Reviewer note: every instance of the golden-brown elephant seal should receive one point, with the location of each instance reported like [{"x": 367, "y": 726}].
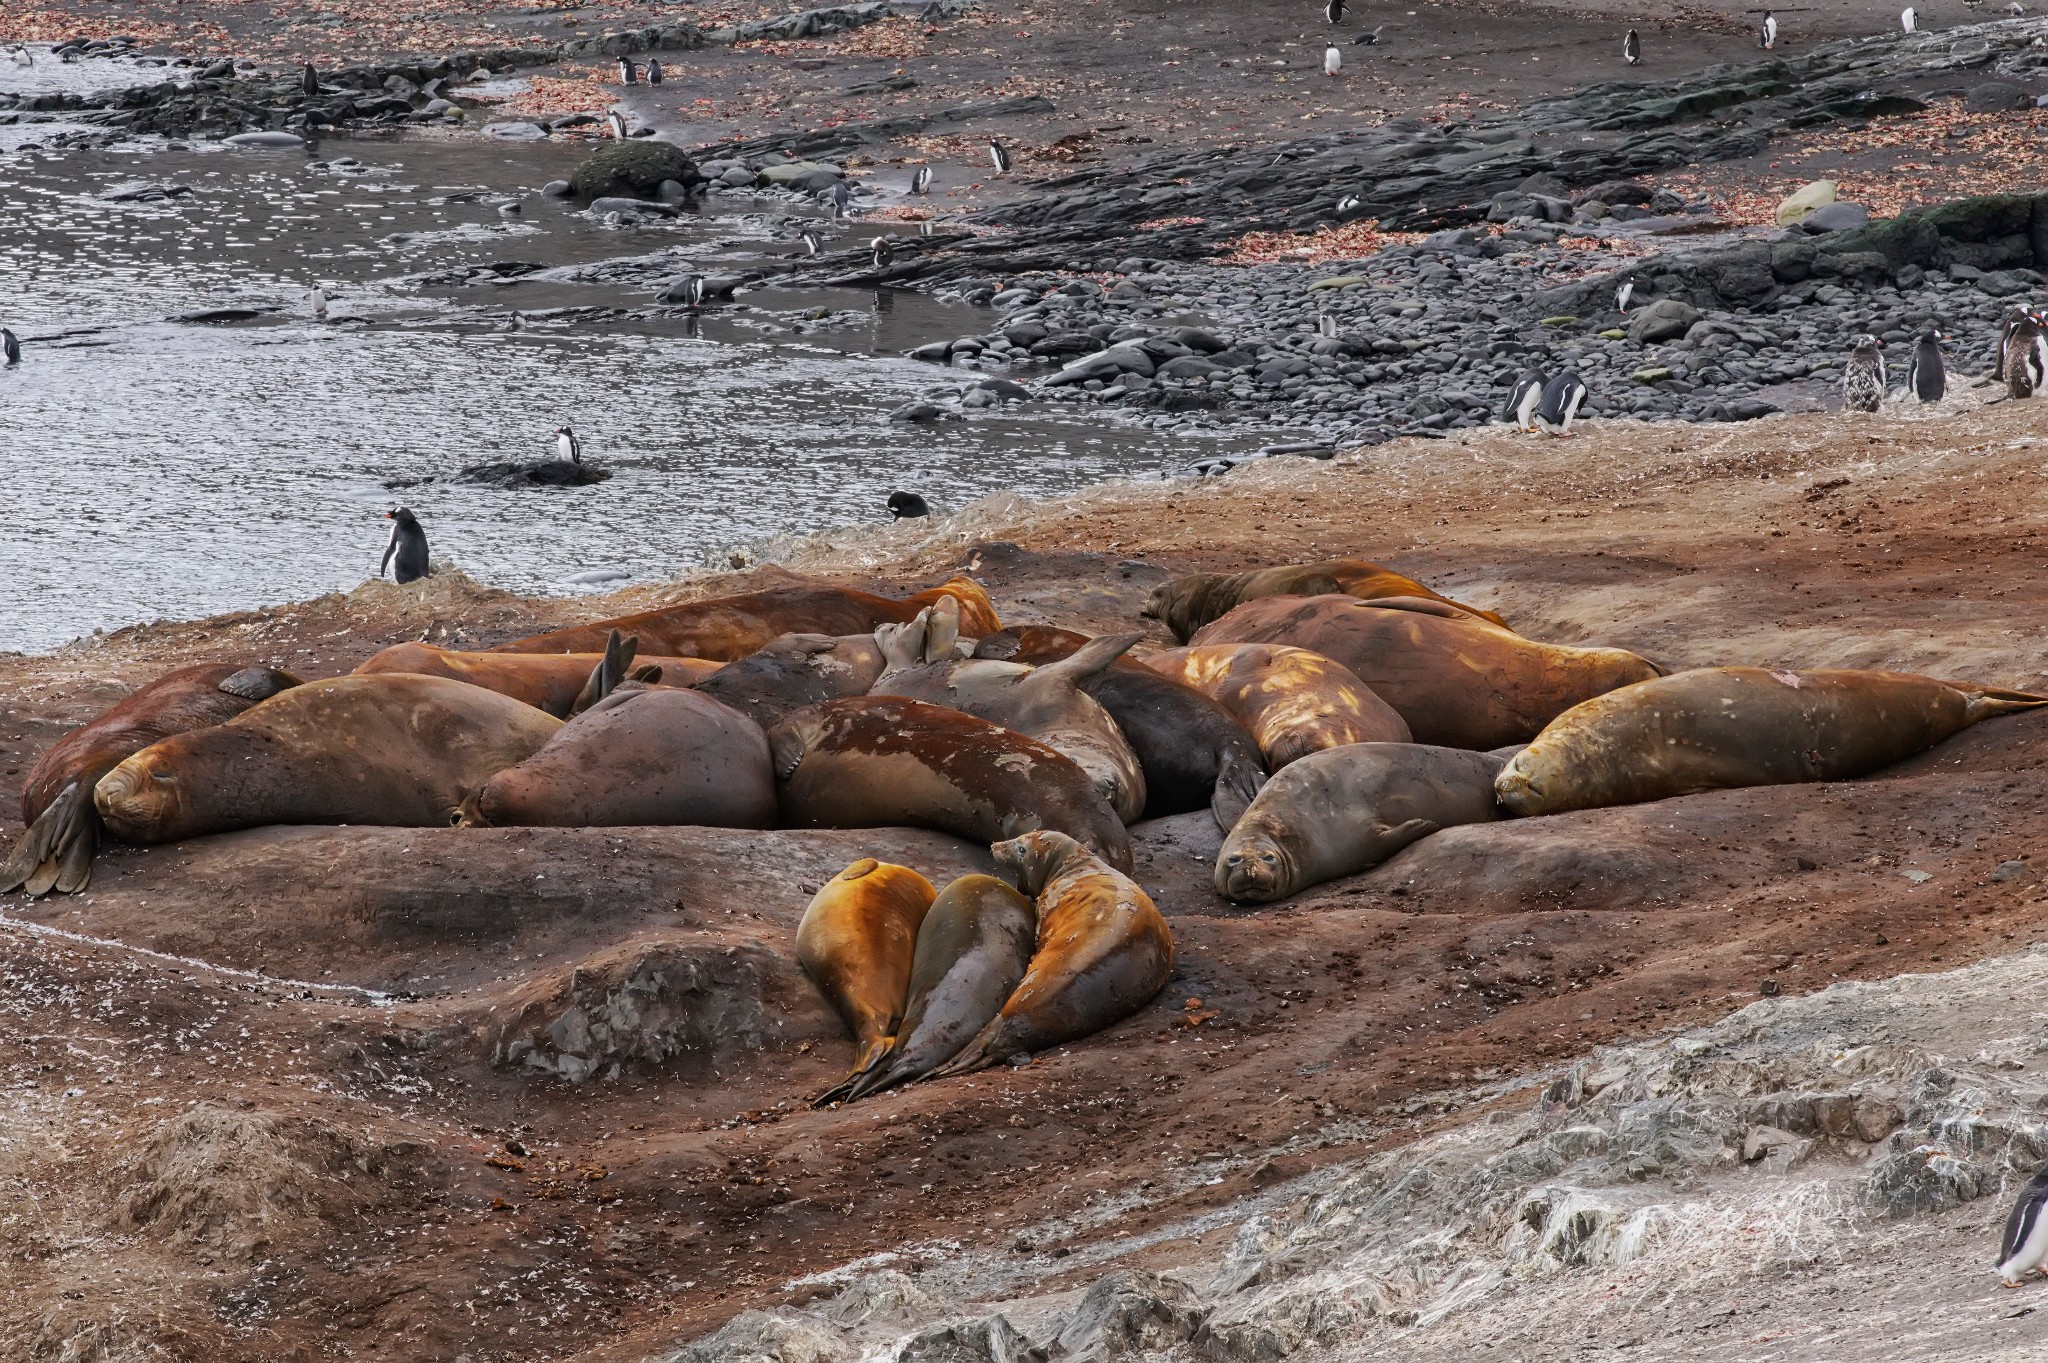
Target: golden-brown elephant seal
[
  {"x": 856, "y": 942},
  {"x": 56, "y": 798},
  {"x": 1458, "y": 681},
  {"x": 875, "y": 761},
  {"x": 392, "y": 750},
  {"x": 976, "y": 943},
  {"x": 1722, "y": 727},
  {"x": 1045, "y": 703},
  {"x": 1184, "y": 604},
  {"x": 641, "y": 756},
  {"x": 1345, "y": 810},
  {"x": 546, "y": 681},
  {"x": 1103, "y": 952},
  {"x": 730, "y": 627},
  {"x": 793, "y": 671},
  {"x": 1291, "y": 701}
]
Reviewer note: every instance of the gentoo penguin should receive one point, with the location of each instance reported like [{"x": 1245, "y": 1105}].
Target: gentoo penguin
[
  {"x": 907, "y": 505},
  {"x": 1625, "y": 291},
  {"x": 1334, "y": 11},
  {"x": 839, "y": 197},
  {"x": 691, "y": 289},
  {"x": 1326, "y": 325},
  {"x": 921, "y": 182},
  {"x": 10, "y": 347},
  {"x": 2015, "y": 9},
  {"x": 1333, "y": 60},
  {"x": 999, "y": 157},
  {"x": 1767, "y": 36},
  {"x": 309, "y": 80},
  {"x": 882, "y": 252},
  {"x": 318, "y": 300},
  {"x": 1863, "y": 378},
  {"x": 811, "y": 243},
  {"x": 408, "y": 545},
  {"x": 1632, "y": 48},
  {"x": 1560, "y": 403},
  {"x": 2026, "y": 357},
  {"x": 1522, "y": 400},
  {"x": 654, "y": 70},
  {"x": 23, "y": 57},
  {"x": 1348, "y": 204},
  {"x": 1906, "y": 19},
  {"x": 1368, "y": 39},
  {"x": 1926, "y": 375},
  {"x": 2025, "y": 1245},
  {"x": 615, "y": 124},
  {"x": 629, "y": 74},
  {"x": 567, "y": 446},
  {"x": 2006, "y": 327}
]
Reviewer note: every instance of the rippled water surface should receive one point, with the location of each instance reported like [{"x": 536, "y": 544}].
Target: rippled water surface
[{"x": 171, "y": 469}]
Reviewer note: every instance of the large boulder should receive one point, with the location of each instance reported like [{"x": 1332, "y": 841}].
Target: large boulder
[
  {"x": 1839, "y": 216},
  {"x": 632, "y": 170},
  {"x": 1667, "y": 319},
  {"x": 1995, "y": 97}
]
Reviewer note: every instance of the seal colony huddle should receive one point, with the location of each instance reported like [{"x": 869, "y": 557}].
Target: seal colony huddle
[{"x": 1327, "y": 715}]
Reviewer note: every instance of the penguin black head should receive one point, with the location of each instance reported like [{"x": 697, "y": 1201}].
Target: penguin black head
[
  {"x": 403, "y": 515},
  {"x": 907, "y": 505}
]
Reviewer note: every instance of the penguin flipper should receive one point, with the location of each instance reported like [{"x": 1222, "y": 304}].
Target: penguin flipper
[{"x": 56, "y": 851}]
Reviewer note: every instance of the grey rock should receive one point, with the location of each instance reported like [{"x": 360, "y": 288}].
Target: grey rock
[
  {"x": 992, "y": 1339},
  {"x": 632, "y": 170},
  {"x": 1919, "y": 1181},
  {"x": 515, "y": 131},
  {"x": 1666, "y": 319},
  {"x": 1132, "y": 1314},
  {"x": 1839, "y": 216},
  {"x": 1996, "y": 96},
  {"x": 556, "y": 189}
]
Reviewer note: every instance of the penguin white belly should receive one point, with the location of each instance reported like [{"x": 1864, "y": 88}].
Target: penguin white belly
[{"x": 2031, "y": 1253}]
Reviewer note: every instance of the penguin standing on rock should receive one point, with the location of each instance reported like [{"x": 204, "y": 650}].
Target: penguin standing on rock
[
  {"x": 921, "y": 182},
  {"x": 1907, "y": 22},
  {"x": 812, "y": 245},
  {"x": 1326, "y": 326},
  {"x": 1523, "y": 398},
  {"x": 309, "y": 81},
  {"x": 882, "y": 252},
  {"x": 839, "y": 198},
  {"x": 654, "y": 70},
  {"x": 1623, "y": 292},
  {"x": 406, "y": 554},
  {"x": 1632, "y": 48},
  {"x": 2026, "y": 357},
  {"x": 567, "y": 446},
  {"x": 10, "y": 347},
  {"x": 615, "y": 124},
  {"x": 1863, "y": 378},
  {"x": 907, "y": 506},
  {"x": 629, "y": 74},
  {"x": 999, "y": 157},
  {"x": 1333, "y": 60},
  {"x": 1559, "y": 404},
  {"x": 1926, "y": 375},
  {"x": 2024, "y": 1248},
  {"x": 1767, "y": 36}
]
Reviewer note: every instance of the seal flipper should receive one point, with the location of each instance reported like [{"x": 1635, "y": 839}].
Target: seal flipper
[
  {"x": 56, "y": 851},
  {"x": 609, "y": 672},
  {"x": 258, "y": 683},
  {"x": 1091, "y": 658},
  {"x": 1988, "y": 702},
  {"x": 1237, "y": 781},
  {"x": 942, "y": 629},
  {"x": 1400, "y": 835},
  {"x": 871, "y": 1063}
]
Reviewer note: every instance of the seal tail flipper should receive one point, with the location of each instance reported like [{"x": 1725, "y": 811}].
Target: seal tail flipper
[
  {"x": 1237, "y": 781},
  {"x": 978, "y": 1054},
  {"x": 942, "y": 629},
  {"x": 902, "y": 646},
  {"x": 56, "y": 851},
  {"x": 647, "y": 674},
  {"x": 1092, "y": 658},
  {"x": 258, "y": 683},
  {"x": 871, "y": 1061},
  {"x": 609, "y": 672},
  {"x": 1989, "y": 702}
]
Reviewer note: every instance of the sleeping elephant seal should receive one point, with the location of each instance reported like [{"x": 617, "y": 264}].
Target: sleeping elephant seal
[
  {"x": 1191, "y": 751},
  {"x": 856, "y": 942},
  {"x": 641, "y": 756},
  {"x": 876, "y": 761},
  {"x": 56, "y": 799},
  {"x": 730, "y": 627},
  {"x": 795, "y": 670},
  {"x": 1103, "y": 952},
  {"x": 1345, "y": 810},
  {"x": 1045, "y": 703},
  {"x": 1184, "y": 604},
  {"x": 1457, "y": 680},
  {"x": 972, "y": 952},
  {"x": 1721, "y": 727},
  {"x": 393, "y": 750},
  {"x": 546, "y": 681},
  {"x": 1291, "y": 701}
]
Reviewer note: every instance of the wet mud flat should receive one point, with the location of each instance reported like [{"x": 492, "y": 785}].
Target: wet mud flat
[{"x": 499, "y": 1076}]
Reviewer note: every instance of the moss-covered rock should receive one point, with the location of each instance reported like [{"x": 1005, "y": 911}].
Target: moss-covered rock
[{"x": 633, "y": 170}]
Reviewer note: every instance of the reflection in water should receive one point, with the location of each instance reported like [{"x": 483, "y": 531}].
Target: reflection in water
[{"x": 170, "y": 470}]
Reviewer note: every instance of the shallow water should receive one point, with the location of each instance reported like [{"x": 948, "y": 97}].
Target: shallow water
[{"x": 170, "y": 469}]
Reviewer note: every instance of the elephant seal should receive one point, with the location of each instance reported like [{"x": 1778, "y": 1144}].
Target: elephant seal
[
  {"x": 553, "y": 682},
  {"x": 730, "y": 627},
  {"x": 874, "y": 761},
  {"x": 1291, "y": 701},
  {"x": 1103, "y": 952},
  {"x": 1045, "y": 703},
  {"x": 1458, "y": 681},
  {"x": 393, "y": 750},
  {"x": 641, "y": 756},
  {"x": 972, "y": 952},
  {"x": 1184, "y": 604},
  {"x": 1191, "y": 751},
  {"x": 1344, "y": 810},
  {"x": 1717, "y": 728},
  {"x": 56, "y": 798},
  {"x": 795, "y": 670},
  {"x": 856, "y": 942}
]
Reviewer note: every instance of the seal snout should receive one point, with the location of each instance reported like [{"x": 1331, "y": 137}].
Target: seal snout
[
  {"x": 132, "y": 798},
  {"x": 1250, "y": 875}
]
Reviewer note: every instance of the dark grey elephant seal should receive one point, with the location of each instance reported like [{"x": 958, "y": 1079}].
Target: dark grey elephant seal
[
  {"x": 795, "y": 670},
  {"x": 1345, "y": 810},
  {"x": 972, "y": 951}
]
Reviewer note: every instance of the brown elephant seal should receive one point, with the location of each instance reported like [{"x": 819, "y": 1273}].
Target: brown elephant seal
[
  {"x": 857, "y": 941},
  {"x": 553, "y": 682},
  {"x": 641, "y": 756},
  {"x": 1184, "y": 604},
  {"x": 1717, "y": 728},
  {"x": 1192, "y": 752},
  {"x": 730, "y": 627},
  {"x": 976, "y": 943},
  {"x": 1344, "y": 810},
  {"x": 876, "y": 761},
  {"x": 1291, "y": 701},
  {"x": 1103, "y": 952},
  {"x": 393, "y": 750},
  {"x": 1045, "y": 703},
  {"x": 1457, "y": 681},
  {"x": 55, "y": 853},
  {"x": 793, "y": 671}
]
